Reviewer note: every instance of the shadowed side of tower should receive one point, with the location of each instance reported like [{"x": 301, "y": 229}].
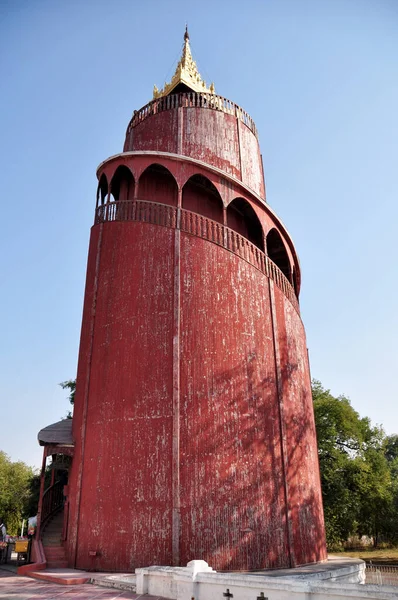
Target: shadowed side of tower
[{"x": 193, "y": 424}]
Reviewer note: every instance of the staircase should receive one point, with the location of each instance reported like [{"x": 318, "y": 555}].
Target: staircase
[{"x": 52, "y": 542}]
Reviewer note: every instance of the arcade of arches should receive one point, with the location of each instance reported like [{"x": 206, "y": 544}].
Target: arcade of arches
[{"x": 199, "y": 195}]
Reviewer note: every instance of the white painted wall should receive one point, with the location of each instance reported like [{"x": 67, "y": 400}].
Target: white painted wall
[{"x": 197, "y": 580}]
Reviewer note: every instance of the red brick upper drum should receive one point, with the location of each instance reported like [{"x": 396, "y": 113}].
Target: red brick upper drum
[{"x": 193, "y": 421}]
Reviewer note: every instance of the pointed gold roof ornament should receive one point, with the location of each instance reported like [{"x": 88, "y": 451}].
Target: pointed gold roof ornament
[{"x": 186, "y": 73}]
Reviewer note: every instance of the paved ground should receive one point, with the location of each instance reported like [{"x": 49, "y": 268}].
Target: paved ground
[{"x": 13, "y": 587}]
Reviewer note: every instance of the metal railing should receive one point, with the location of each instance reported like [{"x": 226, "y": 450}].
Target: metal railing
[
  {"x": 381, "y": 574},
  {"x": 200, "y": 226},
  {"x": 192, "y": 100}
]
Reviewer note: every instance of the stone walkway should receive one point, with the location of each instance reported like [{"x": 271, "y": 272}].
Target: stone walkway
[{"x": 14, "y": 587}]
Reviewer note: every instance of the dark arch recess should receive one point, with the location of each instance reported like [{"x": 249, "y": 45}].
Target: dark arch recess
[
  {"x": 199, "y": 195},
  {"x": 158, "y": 185},
  {"x": 277, "y": 253},
  {"x": 242, "y": 218},
  {"x": 295, "y": 285},
  {"x": 122, "y": 184},
  {"x": 102, "y": 191}
]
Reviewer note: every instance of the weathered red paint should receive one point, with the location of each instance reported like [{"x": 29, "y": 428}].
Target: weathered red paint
[
  {"x": 217, "y": 138},
  {"x": 193, "y": 424}
]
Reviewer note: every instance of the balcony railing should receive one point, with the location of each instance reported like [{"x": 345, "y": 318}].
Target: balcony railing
[
  {"x": 200, "y": 226},
  {"x": 192, "y": 100}
]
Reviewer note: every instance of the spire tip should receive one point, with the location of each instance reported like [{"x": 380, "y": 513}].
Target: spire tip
[{"x": 186, "y": 74}]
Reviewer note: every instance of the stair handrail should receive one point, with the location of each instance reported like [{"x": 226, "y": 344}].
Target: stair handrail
[{"x": 52, "y": 502}]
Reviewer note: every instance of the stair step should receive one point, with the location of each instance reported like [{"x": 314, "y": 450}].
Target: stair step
[
  {"x": 54, "y": 526},
  {"x": 57, "y": 564},
  {"x": 52, "y": 544},
  {"x": 58, "y": 520},
  {"x": 54, "y": 552},
  {"x": 49, "y": 542},
  {"x": 52, "y": 535}
]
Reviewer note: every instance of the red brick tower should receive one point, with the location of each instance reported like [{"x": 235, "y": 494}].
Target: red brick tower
[{"x": 193, "y": 426}]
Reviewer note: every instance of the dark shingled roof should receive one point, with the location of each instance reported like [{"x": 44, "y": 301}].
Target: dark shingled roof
[{"x": 58, "y": 433}]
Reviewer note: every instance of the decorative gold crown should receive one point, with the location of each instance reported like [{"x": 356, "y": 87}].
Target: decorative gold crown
[{"x": 186, "y": 73}]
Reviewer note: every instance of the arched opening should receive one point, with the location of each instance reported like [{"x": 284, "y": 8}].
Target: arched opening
[
  {"x": 158, "y": 185},
  {"x": 277, "y": 253},
  {"x": 242, "y": 218},
  {"x": 199, "y": 195},
  {"x": 102, "y": 191},
  {"x": 122, "y": 184}
]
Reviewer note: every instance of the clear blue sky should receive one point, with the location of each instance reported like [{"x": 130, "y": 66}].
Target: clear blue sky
[{"x": 320, "y": 79}]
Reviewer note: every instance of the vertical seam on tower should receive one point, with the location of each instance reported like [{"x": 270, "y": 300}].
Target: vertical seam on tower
[
  {"x": 180, "y": 126},
  {"x": 87, "y": 387},
  {"x": 281, "y": 416},
  {"x": 176, "y": 400}
]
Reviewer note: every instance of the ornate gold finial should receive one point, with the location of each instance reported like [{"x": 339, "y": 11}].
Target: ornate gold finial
[{"x": 186, "y": 73}]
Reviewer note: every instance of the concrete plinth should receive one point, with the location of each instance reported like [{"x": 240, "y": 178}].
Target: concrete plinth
[{"x": 334, "y": 579}]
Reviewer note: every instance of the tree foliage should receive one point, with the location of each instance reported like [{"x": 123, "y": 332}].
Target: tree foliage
[
  {"x": 70, "y": 385},
  {"x": 359, "y": 468},
  {"x": 16, "y": 480}
]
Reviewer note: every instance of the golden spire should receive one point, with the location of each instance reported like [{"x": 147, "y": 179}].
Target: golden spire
[{"x": 186, "y": 73}]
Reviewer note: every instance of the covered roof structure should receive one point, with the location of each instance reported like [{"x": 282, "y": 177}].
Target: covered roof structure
[{"x": 57, "y": 434}]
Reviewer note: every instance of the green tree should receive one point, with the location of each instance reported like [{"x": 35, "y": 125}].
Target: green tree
[
  {"x": 355, "y": 475},
  {"x": 376, "y": 494},
  {"x": 391, "y": 454},
  {"x": 15, "y": 492},
  {"x": 391, "y": 448},
  {"x": 70, "y": 385}
]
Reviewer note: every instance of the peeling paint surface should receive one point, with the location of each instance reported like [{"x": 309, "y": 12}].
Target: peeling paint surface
[
  {"x": 127, "y": 459},
  {"x": 217, "y": 138},
  {"x": 160, "y": 133},
  {"x": 212, "y": 137},
  {"x": 232, "y": 507},
  {"x": 302, "y": 468},
  {"x": 252, "y": 173},
  {"x": 233, "y": 511}
]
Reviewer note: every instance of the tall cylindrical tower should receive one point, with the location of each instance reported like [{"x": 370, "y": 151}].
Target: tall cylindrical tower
[{"x": 193, "y": 424}]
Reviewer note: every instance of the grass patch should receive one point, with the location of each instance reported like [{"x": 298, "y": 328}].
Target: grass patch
[{"x": 386, "y": 556}]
